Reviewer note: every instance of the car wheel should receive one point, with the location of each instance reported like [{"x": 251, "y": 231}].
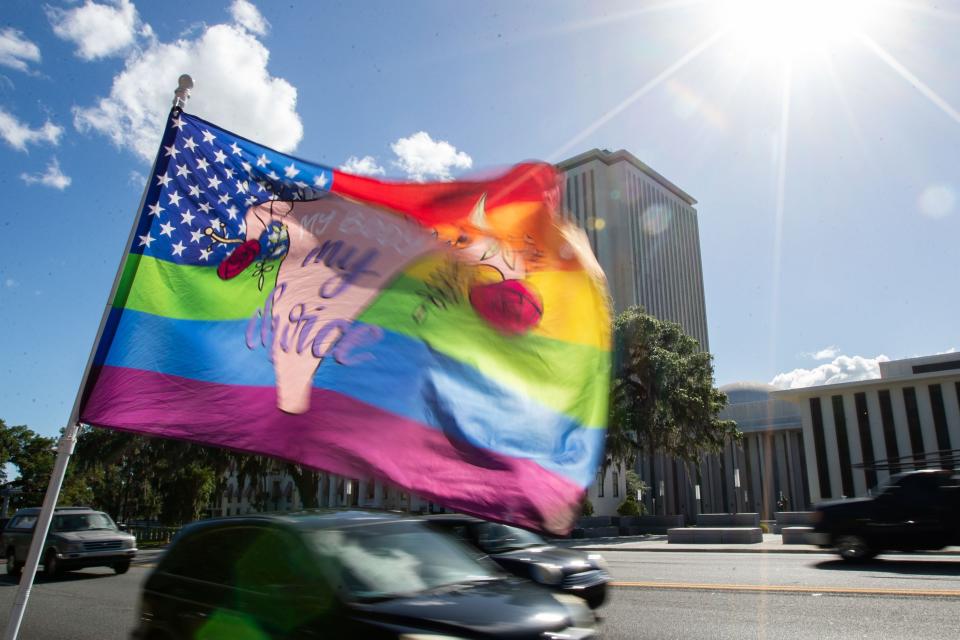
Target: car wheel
[
  {"x": 854, "y": 549},
  {"x": 51, "y": 566},
  {"x": 13, "y": 567},
  {"x": 122, "y": 566}
]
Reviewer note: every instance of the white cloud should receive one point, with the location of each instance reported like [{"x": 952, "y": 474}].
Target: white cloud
[
  {"x": 10, "y": 283},
  {"x": 136, "y": 178},
  {"x": 98, "y": 30},
  {"x": 421, "y": 157},
  {"x": 827, "y": 353},
  {"x": 16, "y": 51},
  {"x": 249, "y": 17},
  {"x": 365, "y": 166},
  {"x": 18, "y": 134},
  {"x": 233, "y": 89},
  {"x": 52, "y": 177},
  {"x": 841, "y": 369}
]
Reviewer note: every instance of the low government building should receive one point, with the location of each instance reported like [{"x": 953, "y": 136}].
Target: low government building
[{"x": 856, "y": 434}]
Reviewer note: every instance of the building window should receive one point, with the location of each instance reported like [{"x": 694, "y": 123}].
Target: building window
[
  {"x": 940, "y": 423},
  {"x": 913, "y": 422},
  {"x": 951, "y": 365},
  {"x": 820, "y": 448},
  {"x": 866, "y": 439},
  {"x": 889, "y": 432},
  {"x": 600, "y": 483},
  {"x": 843, "y": 446},
  {"x": 616, "y": 484}
]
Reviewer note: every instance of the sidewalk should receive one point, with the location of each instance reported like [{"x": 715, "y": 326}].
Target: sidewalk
[{"x": 772, "y": 543}]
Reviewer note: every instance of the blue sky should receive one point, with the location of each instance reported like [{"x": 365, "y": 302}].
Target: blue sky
[{"x": 821, "y": 145}]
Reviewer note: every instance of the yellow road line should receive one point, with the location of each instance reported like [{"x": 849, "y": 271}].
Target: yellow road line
[{"x": 950, "y": 593}]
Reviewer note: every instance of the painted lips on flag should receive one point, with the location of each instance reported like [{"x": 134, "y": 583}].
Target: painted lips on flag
[{"x": 449, "y": 338}]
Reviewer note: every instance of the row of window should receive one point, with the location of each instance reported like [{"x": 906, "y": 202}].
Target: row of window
[
  {"x": 602, "y": 480},
  {"x": 666, "y": 257},
  {"x": 582, "y": 204},
  {"x": 893, "y": 461}
]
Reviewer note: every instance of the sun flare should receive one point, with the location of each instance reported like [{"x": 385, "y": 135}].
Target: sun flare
[{"x": 796, "y": 28}]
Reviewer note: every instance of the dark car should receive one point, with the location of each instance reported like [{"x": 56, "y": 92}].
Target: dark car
[
  {"x": 917, "y": 510},
  {"x": 79, "y": 537},
  {"x": 527, "y": 555},
  {"x": 341, "y": 574}
]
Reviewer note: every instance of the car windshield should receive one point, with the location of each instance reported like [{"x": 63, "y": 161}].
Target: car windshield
[
  {"x": 398, "y": 558},
  {"x": 493, "y": 538},
  {"x": 83, "y": 522}
]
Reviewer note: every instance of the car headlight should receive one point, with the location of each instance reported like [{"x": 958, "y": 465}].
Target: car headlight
[
  {"x": 598, "y": 561},
  {"x": 129, "y": 543},
  {"x": 427, "y": 636},
  {"x": 546, "y": 574},
  {"x": 73, "y": 547}
]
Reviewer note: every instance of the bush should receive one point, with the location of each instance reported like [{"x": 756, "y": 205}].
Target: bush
[
  {"x": 630, "y": 507},
  {"x": 586, "y": 507}
]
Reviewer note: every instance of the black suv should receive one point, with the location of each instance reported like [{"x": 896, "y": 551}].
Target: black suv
[
  {"x": 917, "y": 510},
  {"x": 341, "y": 574},
  {"x": 78, "y": 537}
]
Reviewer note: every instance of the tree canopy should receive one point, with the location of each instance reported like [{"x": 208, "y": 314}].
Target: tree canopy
[
  {"x": 662, "y": 397},
  {"x": 129, "y": 476}
]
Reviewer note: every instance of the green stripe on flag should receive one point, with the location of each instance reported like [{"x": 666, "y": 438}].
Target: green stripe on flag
[
  {"x": 188, "y": 292},
  {"x": 570, "y": 378}
]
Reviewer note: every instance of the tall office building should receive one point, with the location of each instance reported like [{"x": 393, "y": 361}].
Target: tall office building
[{"x": 643, "y": 230}]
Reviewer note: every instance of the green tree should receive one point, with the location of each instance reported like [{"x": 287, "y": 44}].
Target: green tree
[
  {"x": 33, "y": 455},
  {"x": 307, "y": 481},
  {"x": 662, "y": 397}
]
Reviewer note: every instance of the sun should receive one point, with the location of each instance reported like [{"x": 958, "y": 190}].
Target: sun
[{"x": 791, "y": 29}]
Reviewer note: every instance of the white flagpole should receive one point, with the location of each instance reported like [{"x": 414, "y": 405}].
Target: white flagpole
[{"x": 69, "y": 439}]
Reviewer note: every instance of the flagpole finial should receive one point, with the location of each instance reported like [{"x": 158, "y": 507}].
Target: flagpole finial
[{"x": 182, "y": 94}]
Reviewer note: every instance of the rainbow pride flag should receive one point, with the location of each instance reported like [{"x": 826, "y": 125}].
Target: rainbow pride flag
[{"x": 452, "y": 338}]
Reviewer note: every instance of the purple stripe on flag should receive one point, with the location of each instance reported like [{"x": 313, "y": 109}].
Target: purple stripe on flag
[{"x": 340, "y": 435}]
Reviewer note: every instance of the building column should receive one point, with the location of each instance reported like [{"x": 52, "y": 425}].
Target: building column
[
  {"x": 332, "y": 498},
  {"x": 810, "y": 451},
  {"x": 902, "y": 428},
  {"x": 757, "y": 495},
  {"x": 830, "y": 440},
  {"x": 880, "y": 452},
  {"x": 952, "y": 407},
  {"x": 925, "y": 409},
  {"x": 378, "y": 494},
  {"x": 856, "y": 446}
]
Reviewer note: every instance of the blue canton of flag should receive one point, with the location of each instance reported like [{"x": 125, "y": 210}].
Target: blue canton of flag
[{"x": 205, "y": 180}]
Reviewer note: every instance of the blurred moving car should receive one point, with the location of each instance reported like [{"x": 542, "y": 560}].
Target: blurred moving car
[
  {"x": 341, "y": 574},
  {"x": 916, "y": 510},
  {"x": 527, "y": 555},
  {"x": 78, "y": 537}
]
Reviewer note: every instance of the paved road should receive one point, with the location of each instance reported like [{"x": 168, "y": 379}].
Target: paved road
[
  {"x": 737, "y": 595},
  {"x": 892, "y": 572},
  {"x": 686, "y": 595}
]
